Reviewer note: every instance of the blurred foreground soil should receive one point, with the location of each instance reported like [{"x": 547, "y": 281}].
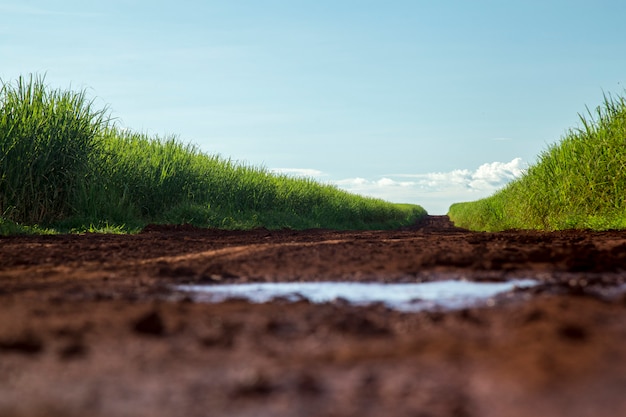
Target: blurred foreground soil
[{"x": 90, "y": 325}]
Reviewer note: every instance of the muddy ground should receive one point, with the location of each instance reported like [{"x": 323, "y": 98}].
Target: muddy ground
[{"x": 91, "y": 326}]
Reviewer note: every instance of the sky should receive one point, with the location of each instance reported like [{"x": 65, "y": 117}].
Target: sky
[{"x": 411, "y": 101}]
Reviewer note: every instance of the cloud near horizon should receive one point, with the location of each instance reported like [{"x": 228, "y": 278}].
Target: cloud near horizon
[
  {"x": 487, "y": 177},
  {"x": 436, "y": 191}
]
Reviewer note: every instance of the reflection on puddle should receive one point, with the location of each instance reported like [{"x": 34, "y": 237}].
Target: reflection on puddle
[{"x": 450, "y": 294}]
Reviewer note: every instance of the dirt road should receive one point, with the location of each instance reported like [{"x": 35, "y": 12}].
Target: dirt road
[{"x": 91, "y": 325}]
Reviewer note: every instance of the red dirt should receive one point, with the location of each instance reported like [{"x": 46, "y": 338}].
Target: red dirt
[{"x": 90, "y": 325}]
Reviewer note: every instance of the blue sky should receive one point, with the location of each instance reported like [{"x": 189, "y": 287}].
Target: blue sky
[{"x": 412, "y": 101}]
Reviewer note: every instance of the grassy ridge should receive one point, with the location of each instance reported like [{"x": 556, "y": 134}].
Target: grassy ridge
[
  {"x": 63, "y": 164},
  {"x": 577, "y": 183}
]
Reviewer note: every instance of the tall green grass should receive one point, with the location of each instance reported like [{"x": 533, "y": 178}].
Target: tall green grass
[
  {"x": 47, "y": 140},
  {"x": 577, "y": 183},
  {"x": 64, "y": 164}
]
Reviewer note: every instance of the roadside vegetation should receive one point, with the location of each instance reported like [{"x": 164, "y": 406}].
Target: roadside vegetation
[
  {"x": 65, "y": 166},
  {"x": 578, "y": 183}
]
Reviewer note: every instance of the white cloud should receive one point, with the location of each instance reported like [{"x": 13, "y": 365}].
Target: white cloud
[
  {"x": 488, "y": 176},
  {"x": 436, "y": 191},
  {"x": 496, "y": 174}
]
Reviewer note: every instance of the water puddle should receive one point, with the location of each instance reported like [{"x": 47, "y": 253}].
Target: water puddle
[{"x": 449, "y": 294}]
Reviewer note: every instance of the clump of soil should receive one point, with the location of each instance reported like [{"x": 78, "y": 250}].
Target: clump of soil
[{"x": 91, "y": 325}]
